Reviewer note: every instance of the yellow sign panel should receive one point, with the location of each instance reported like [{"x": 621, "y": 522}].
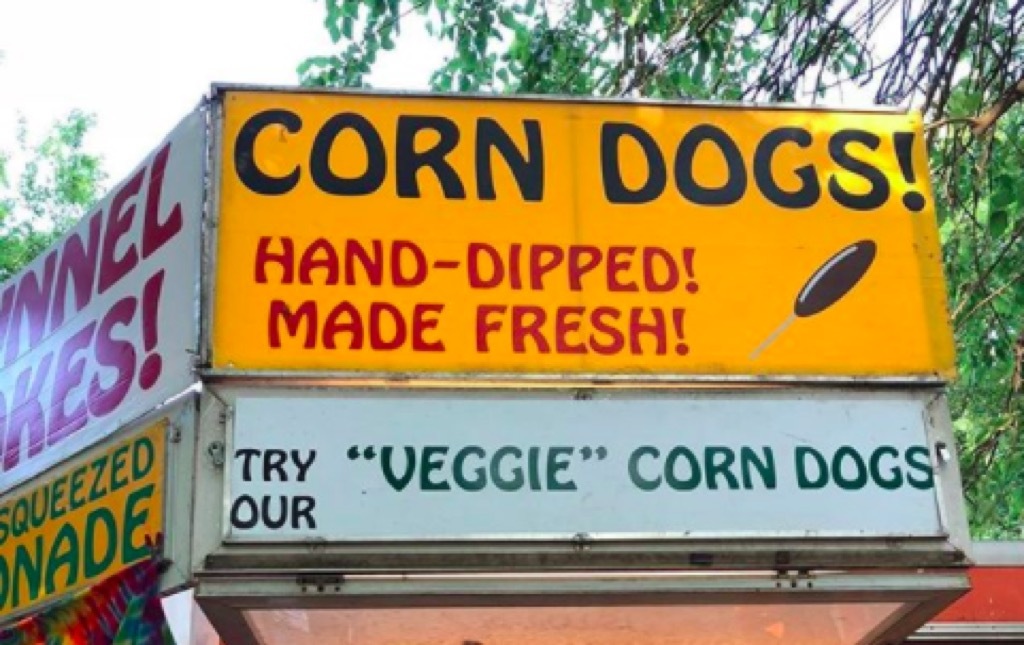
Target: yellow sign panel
[
  {"x": 445, "y": 235},
  {"x": 89, "y": 521}
]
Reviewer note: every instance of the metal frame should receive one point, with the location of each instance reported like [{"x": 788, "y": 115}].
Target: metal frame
[
  {"x": 946, "y": 549},
  {"x": 218, "y": 89},
  {"x": 178, "y": 492},
  {"x": 969, "y": 633},
  {"x": 215, "y": 102},
  {"x": 225, "y": 598},
  {"x": 208, "y": 235},
  {"x": 949, "y": 488},
  {"x": 540, "y": 379},
  {"x": 215, "y": 552},
  {"x": 638, "y": 555}
]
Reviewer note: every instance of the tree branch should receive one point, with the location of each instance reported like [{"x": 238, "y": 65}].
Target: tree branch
[
  {"x": 1012, "y": 282},
  {"x": 984, "y": 121},
  {"x": 954, "y": 120},
  {"x": 981, "y": 124},
  {"x": 1016, "y": 378}
]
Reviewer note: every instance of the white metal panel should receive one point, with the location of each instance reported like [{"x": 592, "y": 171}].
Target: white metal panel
[
  {"x": 179, "y": 492},
  {"x": 102, "y": 327},
  {"x": 328, "y": 460}
]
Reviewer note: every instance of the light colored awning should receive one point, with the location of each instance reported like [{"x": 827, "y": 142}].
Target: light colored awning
[{"x": 593, "y": 609}]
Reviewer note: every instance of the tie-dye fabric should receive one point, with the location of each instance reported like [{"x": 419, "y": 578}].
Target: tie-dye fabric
[{"x": 124, "y": 609}]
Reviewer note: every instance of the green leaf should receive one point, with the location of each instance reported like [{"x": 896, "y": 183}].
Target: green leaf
[
  {"x": 1005, "y": 190},
  {"x": 703, "y": 51},
  {"x": 698, "y": 73},
  {"x": 349, "y": 8},
  {"x": 507, "y": 19},
  {"x": 333, "y": 31},
  {"x": 58, "y": 182},
  {"x": 997, "y": 222}
]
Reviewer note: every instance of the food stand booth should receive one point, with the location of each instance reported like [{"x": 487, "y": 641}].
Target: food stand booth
[{"x": 432, "y": 369}]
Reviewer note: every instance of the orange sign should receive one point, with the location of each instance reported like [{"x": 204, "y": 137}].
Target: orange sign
[
  {"x": 460, "y": 236},
  {"x": 86, "y": 522}
]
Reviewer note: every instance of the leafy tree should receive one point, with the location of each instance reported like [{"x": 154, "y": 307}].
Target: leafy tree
[
  {"x": 960, "y": 61},
  {"x": 58, "y": 181},
  {"x": 981, "y": 186}
]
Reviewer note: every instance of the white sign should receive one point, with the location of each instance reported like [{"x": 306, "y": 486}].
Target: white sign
[
  {"x": 98, "y": 329},
  {"x": 415, "y": 465}
]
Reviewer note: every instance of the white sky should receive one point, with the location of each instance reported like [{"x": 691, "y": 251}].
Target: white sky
[{"x": 141, "y": 65}]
